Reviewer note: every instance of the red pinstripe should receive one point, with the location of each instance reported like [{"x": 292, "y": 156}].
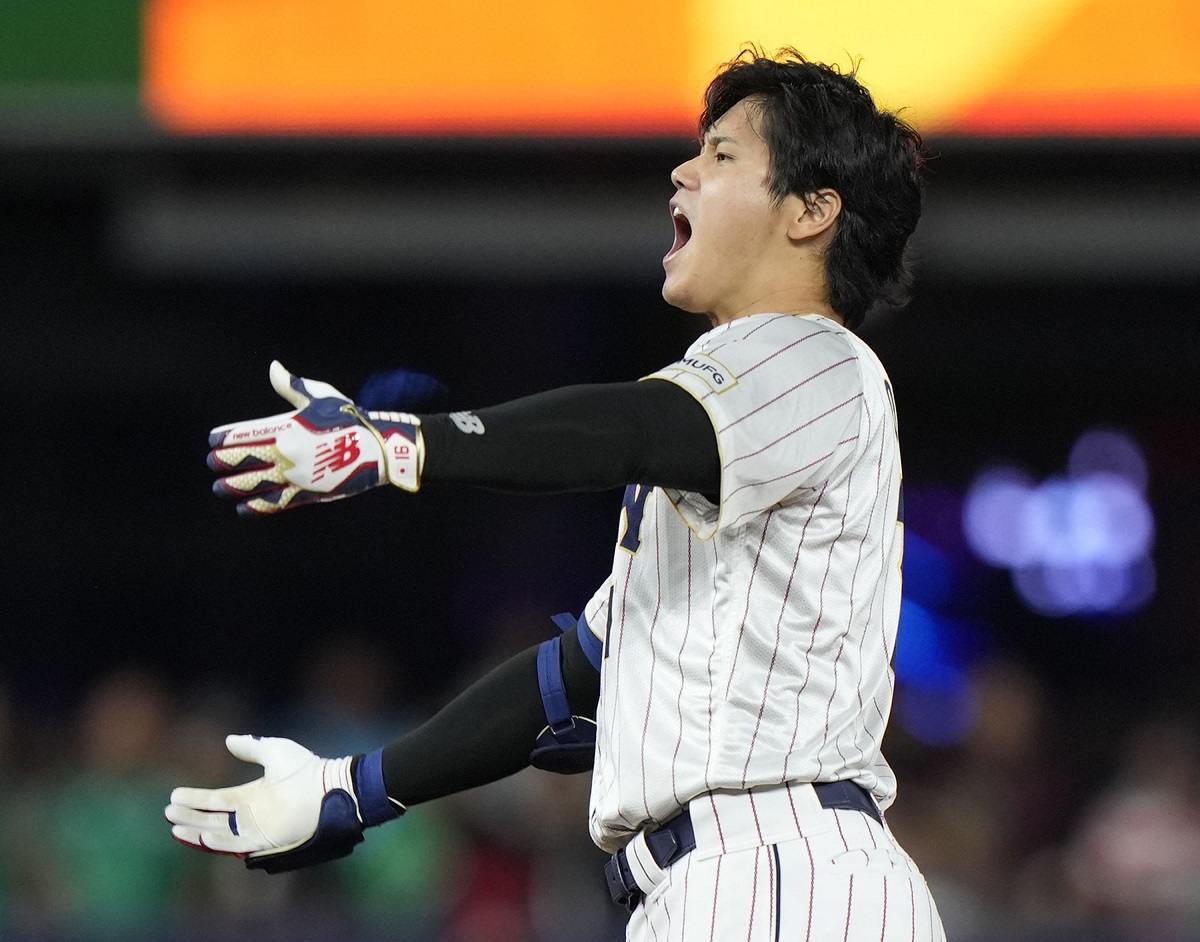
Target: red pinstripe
[
  {"x": 912, "y": 901},
  {"x": 864, "y": 723},
  {"x": 653, "y": 660},
  {"x": 617, "y": 685},
  {"x": 849, "y": 622},
  {"x": 792, "y": 389},
  {"x": 812, "y": 888},
  {"x": 683, "y": 918},
  {"x": 717, "y": 818},
  {"x": 748, "y": 334},
  {"x": 795, "y": 817},
  {"x": 772, "y": 928},
  {"x": 711, "y": 651},
  {"x": 879, "y": 712},
  {"x": 883, "y": 930},
  {"x": 775, "y": 652},
  {"x": 798, "y": 428},
  {"x": 754, "y": 811},
  {"x": 883, "y": 543},
  {"x": 749, "y": 591},
  {"x": 747, "y": 513},
  {"x": 712, "y": 928},
  {"x": 679, "y": 665},
  {"x": 665, "y": 899},
  {"x": 757, "y": 328},
  {"x": 795, "y": 343},
  {"x": 721, "y": 346},
  {"x": 753, "y": 895},
  {"x": 816, "y": 624},
  {"x": 849, "y": 906},
  {"x": 887, "y": 570},
  {"x": 742, "y": 487},
  {"x": 842, "y": 643}
]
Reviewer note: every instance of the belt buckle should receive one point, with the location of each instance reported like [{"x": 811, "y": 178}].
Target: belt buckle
[{"x": 622, "y": 888}]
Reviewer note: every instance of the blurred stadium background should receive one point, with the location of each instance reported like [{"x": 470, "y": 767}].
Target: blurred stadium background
[{"x": 190, "y": 188}]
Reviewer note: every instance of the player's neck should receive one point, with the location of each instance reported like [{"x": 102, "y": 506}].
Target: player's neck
[{"x": 784, "y": 301}]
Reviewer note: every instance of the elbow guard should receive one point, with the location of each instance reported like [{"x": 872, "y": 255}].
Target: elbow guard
[{"x": 567, "y": 744}]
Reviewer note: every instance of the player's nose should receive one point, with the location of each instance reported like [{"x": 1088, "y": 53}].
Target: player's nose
[{"x": 682, "y": 177}]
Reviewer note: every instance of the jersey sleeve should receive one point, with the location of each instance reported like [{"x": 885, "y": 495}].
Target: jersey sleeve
[{"x": 784, "y": 395}]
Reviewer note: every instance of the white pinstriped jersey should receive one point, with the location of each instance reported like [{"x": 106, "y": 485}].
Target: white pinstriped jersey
[{"x": 749, "y": 642}]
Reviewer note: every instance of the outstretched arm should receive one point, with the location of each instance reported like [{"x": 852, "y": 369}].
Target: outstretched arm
[
  {"x": 488, "y": 731},
  {"x": 576, "y": 438},
  {"x": 306, "y": 810}
]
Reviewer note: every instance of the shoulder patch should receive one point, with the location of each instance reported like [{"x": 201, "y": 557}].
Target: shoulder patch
[{"x": 715, "y": 374}]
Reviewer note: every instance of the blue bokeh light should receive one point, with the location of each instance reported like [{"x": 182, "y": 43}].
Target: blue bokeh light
[
  {"x": 927, "y": 574},
  {"x": 1077, "y": 543},
  {"x": 935, "y": 701},
  {"x": 993, "y": 515},
  {"x": 925, "y": 653}
]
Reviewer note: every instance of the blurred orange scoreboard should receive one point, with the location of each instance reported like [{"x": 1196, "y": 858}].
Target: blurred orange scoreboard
[{"x": 638, "y": 67}]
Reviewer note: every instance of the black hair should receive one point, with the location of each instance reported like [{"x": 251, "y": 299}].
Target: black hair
[{"x": 822, "y": 129}]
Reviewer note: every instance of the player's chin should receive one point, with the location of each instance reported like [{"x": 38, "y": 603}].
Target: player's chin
[{"x": 676, "y": 292}]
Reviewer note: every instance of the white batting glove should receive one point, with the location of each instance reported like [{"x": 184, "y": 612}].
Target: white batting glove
[
  {"x": 328, "y": 448},
  {"x": 304, "y": 810}
]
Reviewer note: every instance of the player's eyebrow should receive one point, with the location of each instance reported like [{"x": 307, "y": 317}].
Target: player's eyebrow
[{"x": 715, "y": 139}]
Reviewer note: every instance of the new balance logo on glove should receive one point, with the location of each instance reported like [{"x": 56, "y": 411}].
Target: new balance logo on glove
[
  {"x": 342, "y": 452},
  {"x": 317, "y": 453}
]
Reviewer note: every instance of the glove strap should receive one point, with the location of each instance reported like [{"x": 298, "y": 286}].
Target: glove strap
[
  {"x": 338, "y": 832},
  {"x": 374, "y": 805},
  {"x": 399, "y": 436}
]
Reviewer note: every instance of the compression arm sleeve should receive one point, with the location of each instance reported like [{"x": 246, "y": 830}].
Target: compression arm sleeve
[
  {"x": 487, "y": 731},
  {"x": 580, "y": 438}
]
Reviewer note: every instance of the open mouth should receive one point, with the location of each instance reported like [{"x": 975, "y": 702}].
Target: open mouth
[{"x": 683, "y": 232}]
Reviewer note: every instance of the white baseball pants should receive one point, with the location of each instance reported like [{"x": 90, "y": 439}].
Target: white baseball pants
[{"x": 774, "y": 865}]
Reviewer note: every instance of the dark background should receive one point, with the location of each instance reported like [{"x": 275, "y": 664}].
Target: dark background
[
  {"x": 146, "y": 283},
  {"x": 125, "y": 339}
]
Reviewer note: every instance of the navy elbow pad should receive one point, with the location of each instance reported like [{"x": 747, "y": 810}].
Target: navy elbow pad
[{"x": 567, "y": 744}]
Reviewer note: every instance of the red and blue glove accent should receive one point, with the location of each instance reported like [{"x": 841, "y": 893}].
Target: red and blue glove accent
[{"x": 327, "y": 449}]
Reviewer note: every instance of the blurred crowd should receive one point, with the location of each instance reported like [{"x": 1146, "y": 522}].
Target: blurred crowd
[{"x": 1014, "y": 844}]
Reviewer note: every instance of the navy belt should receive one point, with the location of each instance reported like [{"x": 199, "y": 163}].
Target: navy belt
[{"x": 676, "y": 839}]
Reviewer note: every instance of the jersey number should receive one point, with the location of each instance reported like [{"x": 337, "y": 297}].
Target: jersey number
[{"x": 633, "y": 504}]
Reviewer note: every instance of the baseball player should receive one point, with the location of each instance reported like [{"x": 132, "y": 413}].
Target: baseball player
[{"x": 730, "y": 681}]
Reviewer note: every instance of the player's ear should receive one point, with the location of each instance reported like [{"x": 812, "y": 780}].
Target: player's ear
[{"x": 813, "y": 213}]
